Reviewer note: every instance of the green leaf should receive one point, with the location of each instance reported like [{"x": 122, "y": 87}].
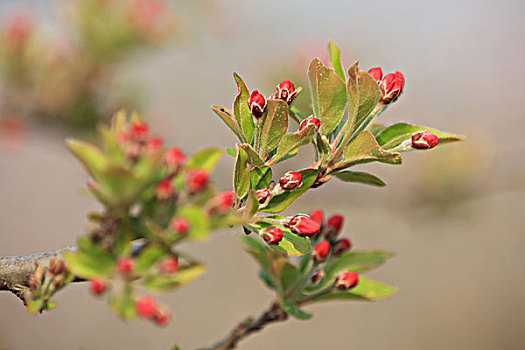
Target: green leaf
[
  {"x": 241, "y": 109},
  {"x": 89, "y": 261},
  {"x": 358, "y": 261},
  {"x": 148, "y": 257},
  {"x": 205, "y": 159},
  {"x": 252, "y": 205},
  {"x": 253, "y": 157},
  {"x": 198, "y": 220},
  {"x": 274, "y": 124},
  {"x": 124, "y": 306},
  {"x": 260, "y": 177},
  {"x": 291, "y": 244},
  {"x": 241, "y": 175},
  {"x": 323, "y": 147},
  {"x": 90, "y": 156},
  {"x": 165, "y": 283},
  {"x": 366, "y": 289},
  {"x": 328, "y": 95},
  {"x": 361, "y": 177},
  {"x": 364, "y": 149},
  {"x": 229, "y": 121},
  {"x": 395, "y": 134},
  {"x": 335, "y": 59},
  {"x": 294, "y": 311},
  {"x": 289, "y": 275},
  {"x": 256, "y": 249},
  {"x": 231, "y": 151},
  {"x": 363, "y": 96},
  {"x": 281, "y": 201},
  {"x": 291, "y": 142}
]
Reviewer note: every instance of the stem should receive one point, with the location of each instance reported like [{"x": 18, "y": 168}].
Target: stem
[
  {"x": 248, "y": 327},
  {"x": 258, "y": 131}
]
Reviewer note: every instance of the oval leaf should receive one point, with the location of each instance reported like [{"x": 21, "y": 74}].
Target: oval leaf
[
  {"x": 241, "y": 109},
  {"x": 274, "y": 125},
  {"x": 241, "y": 175},
  {"x": 360, "y": 177}
]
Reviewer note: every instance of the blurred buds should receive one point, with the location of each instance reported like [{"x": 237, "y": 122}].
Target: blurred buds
[
  {"x": 257, "y": 103},
  {"x": 146, "y": 306},
  {"x": 304, "y": 226},
  {"x": 162, "y": 317},
  {"x": 17, "y": 31},
  {"x": 97, "y": 286},
  {"x": 263, "y": 196},
  {"x": 376, "y": 73},
  {"x": 169, "y": 264},
  {"x": 424, "y": 140},
  {"x": 320, "y": 251},
  {"x": 138, "y": 131},
  {"x": 310, "y": 121},
  {"x": 196, "y": 180},
  {"x": 272, "y": 235},
  {"x": 342, "y": 245},
  {"x": 333, "y": 226},
  {"x": 125, "y": 266},
  {"x": 286, "y": 91},
  {"x": 174, "y": 159},
  {"x": 346, "y": 280},
  {"x": 153, "y": 145},
  {"x": 291, "y": 180},
  {"x": 180, "y": 226},
  {"x": 56, "y": 266},
  {"x": 317, "y": 216},
  {"x": 223, "y": 202},
  {"x": 317, "y": 276},
  {"x": 164, "y": 190}
]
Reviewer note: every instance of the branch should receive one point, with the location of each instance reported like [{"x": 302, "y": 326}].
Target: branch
[
  {"x": 16, "y": 270},
  {"x": 249, "y": 326}
]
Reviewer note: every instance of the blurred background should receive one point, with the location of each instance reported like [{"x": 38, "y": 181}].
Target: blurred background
[{"x": 453, "y": 215}]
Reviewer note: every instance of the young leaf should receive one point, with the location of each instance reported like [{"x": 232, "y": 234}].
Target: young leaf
[
  {"x": 291, "y": 244},
  {"x": 89, "y": 261},
  {"x": 358, "y": 261},
  {"x": 335, "y": 59},
  {"x": 199, "y": 225},
  {"x": 256, "y": 248},
  {"x": 281, "y": 201},
  {"x": 328, "y": 95},
  {"x": 205, "y": 159},
  {"x": 291, "y": 142},
  {"x": 124, "y": 306},
  {"x": 229, "y": 121},
  {"x": 90, "y": 156},
  {"x": 252, "y": 205},
  {"x": 361, "y": 177},
  {"x": 241, "y": 176},
  {"x": 366, "y": 289},
  {"x": 253, "y": 157},
  {"x": 241, "y": 110},
  {"x": 260, "y": 177},
  {"x": 294, "y": 311},
  {"x": 363, "y": 96},
  {"x": 395, "y": 134},
  {"x": 165, "y": 283},
  {"x": 274, "y": 125},
  {"x": 148, "y": 257}
]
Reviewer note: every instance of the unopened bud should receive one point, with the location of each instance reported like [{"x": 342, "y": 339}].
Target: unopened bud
[
  {"x": 263, "y": 196},
  {"x": 138, "y": 131},
  {"x": 317, "y": 216},
  {"x": 272, "y": 235},
  {"x": 310, "y": 121},
  {"x": 424, "y": 140},
  {"x": 317, "y": 276},
  {"x": 291, "y": 180},
  {"x": 223, "y": 202},
  {"x": 97, "y": 286},
  {"x": 320, "y": 251},
  {"x": 174, "y": 159},
  {"x": 286, "y": 91},
  {"x": 146, "y": 306},
  {"x": 56, "y": 266},
  {"x": 196, "y": 180},
  {"x": 346, "y": 280},
  {"x": 169, "y": 264},
  {"x": 257, "y": 104},
  {"x": 391, "y": 87},
  {"x": 302, "y": 225},
  {"x": 162, "y": 317},
  {"x": 376, "y": 74},
  {"x": 164, "y": 190},
  {"x": 153, "y": 145},
  {"x": 180, "y": 226},
  {"x": 333, "y": 226},
  {"x": 342, "y": 245},
  {"x": 125, "y": 266}
]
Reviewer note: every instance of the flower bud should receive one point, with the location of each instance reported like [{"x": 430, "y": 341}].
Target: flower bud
[
  {"x": 424, "y": 140},
  {"x": 196, "y": 180},
  {"x": 286, "y": 91},
  {"x": 310, "y": 121},
  {"x": 132, "y": 149},
  {"x": 391, "y": 87},
  {"x": 97, "y": 286},
  {"x": 153, "y": 145},
  {"x": 56, "y": 266},
  {"x": 174, "y": 159},
  {"x": 376, "y": 73},
  {"x": 223, "y": 202},
  {"x": 346, "y": 280},
  {"x": 272, "y": 235},
  {"x": 320, "y": 251},
  {"x": 342, "y": 245},
  {"x": 162, "y": 317},
  {"x": 180, "y": 225},
  {"x": 263, "y": 196},
  {"x": 302, "y": 225},
  {"x": 317, "y": 216},
  {"x": 58, "y": 280},
  {"x": 291, "y": 180},
  {"x": 257, "y": 104},
  {"x": 164, "y": 190},
  {"x": 125, "y": 266},
  {"x": 146, "y": 306},
  {"x": 317, "y": 276},
  {"x": 333, "y": 226},
  {"x": 169, "y": 264},
  {"x": 138, "y": 130}
]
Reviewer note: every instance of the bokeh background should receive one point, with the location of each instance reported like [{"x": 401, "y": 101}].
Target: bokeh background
[{"x": 454, "y": 216}]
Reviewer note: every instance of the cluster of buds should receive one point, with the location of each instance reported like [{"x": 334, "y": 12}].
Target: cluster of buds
[
  {"x": 148, "y": 308},
  {"x": 391, "y": 85},
  {"x": 284, "y": 91}
]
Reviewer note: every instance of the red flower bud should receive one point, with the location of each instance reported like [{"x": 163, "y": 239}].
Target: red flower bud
[
  {"x": 346, "y": 280},
  {"x": 376, "y": 73},
  {"x": 138, "y": 130},
  {"x": 196, "y": 180},
  {"x": 317, "y": 216},
  {"x": 333, "y": 226},
  {"x": 97, "y": 286},
  {"x": 174, "y": 159},
  {"x": 132, "y": 149},
  {"x": 317, "y": 276},
  {"x": 164, "y": 190},
  {"x": 391, "y": 87},
  {"x": 310, "y": 121},
  {"x": 56, "y": 266},
  {"x": 342, "y": 245},
  {"x": 180, "y": 225},
  {"x": 320, "y": 251},
  {"x": 223, "y": 202},
  {"x": 272, "y": 235},
  {"x": 304, "y": 226},
  {"x": 162, "y": 317},
  {"x": 291, "y": 180},
  {"x": 125, "y": 266},
  {"x": 169, "y": 264},
  {"x": 257, "y": 104},
  {"x": 424, "y": 140},
  {"x": 263, "y": 196},
  {"x": 154, "y": 145},
  {"x": 146, "y": 306},
  {"x": 286, "y": 91}
]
